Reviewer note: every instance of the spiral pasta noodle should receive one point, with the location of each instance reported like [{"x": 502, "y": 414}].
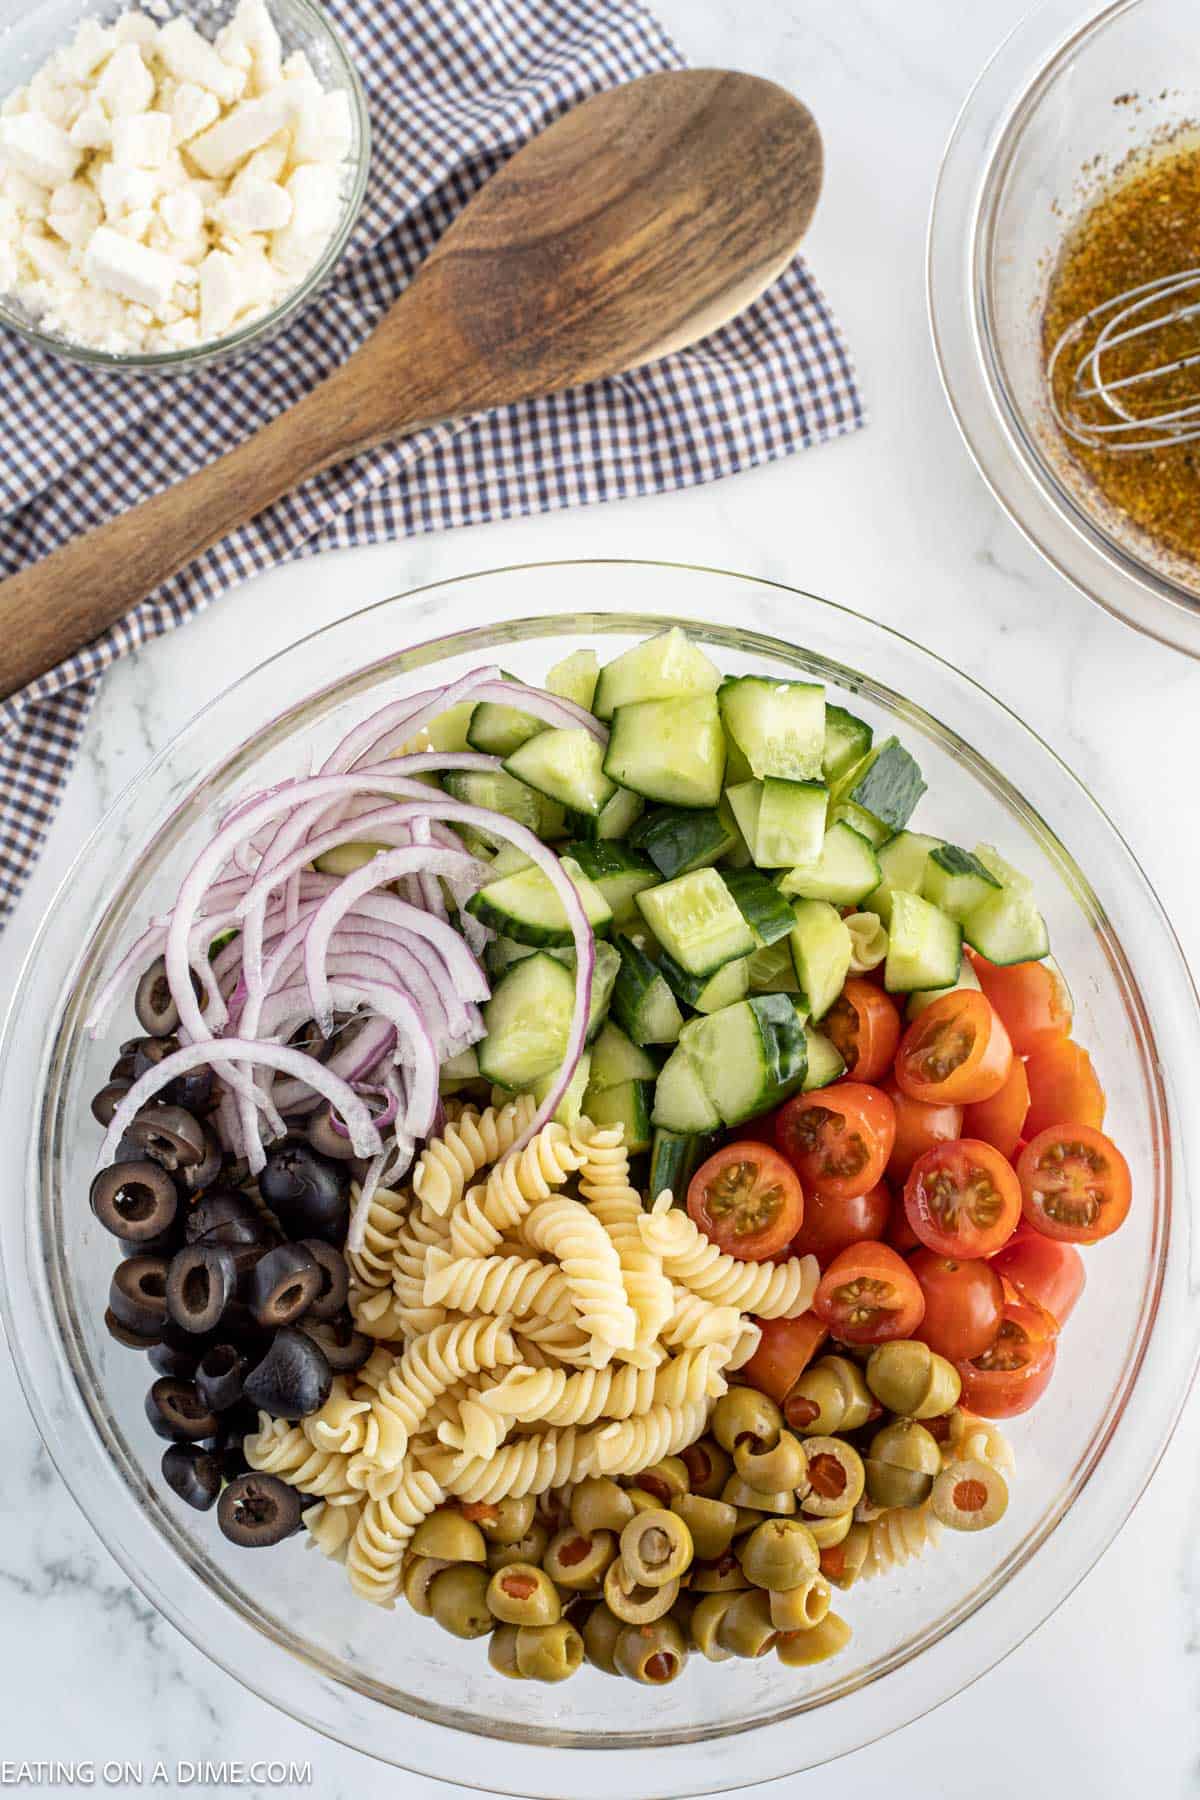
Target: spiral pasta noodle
[
  {"x": 429, "y": 1366},
  {"x": 529, "y": 1465},
  {"x": 769, "y": 1290},
  {"x": 518, "y": 1285},
  {"x": 344, "y": 1423},
  {"x": 466, "y": 1145},
  {"x": 375, "y": 1555},
  {"x": 513, "y": 1188},
  {"x": 604, "y": 1184},
  {"x": 371, "y": 1264},
  {"x": 330, "y": 1528},
  {"x": 278, "y": 1448},
  {"x": 868, "y": 941},
  {"x": 633, "y": 1444},
  {"x": 377, "y": 1313},
  {"x": 897, "y": 1537},
  {"x": 590, "y": 1266},
  {"x": 412, "y": 1313},
  {"x": 696, "y": 1321},
  {"x": 973, "y": 1439}
]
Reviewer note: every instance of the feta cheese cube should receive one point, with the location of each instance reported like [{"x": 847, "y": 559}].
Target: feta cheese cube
[
  {"x": 126, "y": 86},
  {"x": 189, "y": 57},
  {"x": 182, "y": 213},
  {"x": 30, "y": 200},
  {"x": 267, "y": 164},
  {"x": 135, "y": 224},
  {"x": 50, "y": 262},
  {"x": 38, "y": 149},
  {"x": 316, "y": 204},
  {"x": 220, "y": 293},
  {"x": 136, "y": 28},
  {"x": 219, "y": 150},
  {"x": 193, "y": 110},
  {"x": 253, "y": 26},
  {"x": 92, "y": 44},
  {"x": 14, "y": 103},
  {"x": 50, "y": 98},
  {"x": 324, "y": 129},
  {"x": 254, "y": 206},
  {"x": 92, "y": 130},
  {"x": 123, "y": 267},
  {"x": 125, "y": 190},
  {"x": 141, "y": 142},
  {"x": 74, "y": 212}
]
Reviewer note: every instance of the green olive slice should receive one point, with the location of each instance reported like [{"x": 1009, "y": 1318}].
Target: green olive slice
[
  {"x": 665, "y": 1479},
  {"x": 446, "y": 1534},
  {"x": 745, "y": 1413},
  {"x": 458, "y": 1600},
  {"x": 890, "y": 1486},
  {"x": 779, "y": 1553},
  {"x": 835, "y": 1477},
  {"x": 578, "y": 1560},
  {"x": 738, "y": 1492},
  {"x": 706, "y": 1625},
  {"x": 634, "y": 1602},
  {"x": 723, "y": 1575},
  {"x": 598, "y": 1504},
  {"x": 416, "y": 1580},
  {"x": 656, "y": 1547},
  {"x": 708, "y": 1466},
  {"x": 521, "y": 1594},
  {"x": 845, "y": 1570},
  {"x": 502, "y": 1652},
  {"x": 771, "y": 1471},
  {"x": 529, "y": 1549},
  {"x": 746, "y": 1628},
  {"x": 800, "y": 1608},
  {"x": 969, "y": 1496},
  {"x": 548, "y": 1652},
  {"x": 712, "y": 1523},
  {"x": 906, "y": 1445},
  {"x": 800, "y": 1648},
  {"x": 504, "y": 1521},
  {"x": 654, "y": 1654},
  {"x": 600, "y": 1631},
  {"x": 827, "y": 1531}
]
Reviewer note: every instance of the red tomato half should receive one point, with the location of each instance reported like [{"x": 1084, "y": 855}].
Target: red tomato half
[
  {"x": 1042, "y": 1270},
  {"x": 1031, "y": 998},
  {"x": 831, "y": 1224},
  {"x": 963, "y": 1199},
  {"x": 1064, "y": 1088},
  {"x": 839, "y": 1138},
  {"x": 964, "y": 1304},
  {"x": 1075, "y": 1184},
  {"x": 955, "y": 1050},
  {"x": 918, "y": 1128},
  {"x": 868, "y": 1295},
  {"x": 747, "y": 1199},
  {"x": 900, "y": 1234},
  {"x": 865, "y": 1027},
  {"x": 998, "y": 1121},
  {"x": 1014, "y": 1371},
  {"x": 784, "y": 1352}
]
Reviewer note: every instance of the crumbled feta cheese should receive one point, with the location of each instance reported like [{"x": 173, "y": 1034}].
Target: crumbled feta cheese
[
  {"x": 93, "y": 44},
  {"x": 193, "y": 110},
  {"x": 124, "y": 190},
  {"x": 136, "y": 28},
  {"x": 313, "y": 188},
  {"x": 141, "y": 142},
  {"x": 324, "y": 128},
  {"x": 38, "y": 149},
  {"x": 189, "y": 57},
  {"x": 92, "y": 130},
  {"x": 14, "y": 103},
  {"x": 126, "y": 86},
  {"x": 220, "y": 149},
  {"x": 255, "y": 206},
  {"x": 182, "y": 213},
  {"x": 74, "y": 212},
  {"x": 131, "y": 270}
]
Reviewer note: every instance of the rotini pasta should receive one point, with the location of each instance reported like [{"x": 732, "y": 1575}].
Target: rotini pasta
[
  {"x": 517, "y": 1285},
  {"x": 770, "y": 1290},
  {"x": 696, "y": 1321},
  {"x": 604, "y": 1184},
  {"x": 512, "y": 1189},
  {"x": 429, "y": 1366},
  {"x": 344, "y": 1423},
  {"x": 466, "y": 1145},
  {"x": 973, "y": 1439},
  {"x": 868, "y": 941},
  {"x": 278, "y": 1448},
  {"x": 590, "y": 1266},
  {"x": 528, "y": 1465},
  {"x": 632, "y": 1445},
  {"x": 330, "y": 1528},
  {"x": 897, "y": 1537},
  {"x": 371, "y": 1264},
  {"x": 376, "y": 1550},
  {"x": 378, "y": 1313}
]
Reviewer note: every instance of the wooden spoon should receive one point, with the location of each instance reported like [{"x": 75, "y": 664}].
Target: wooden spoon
[{"x": 638, "y": 222}]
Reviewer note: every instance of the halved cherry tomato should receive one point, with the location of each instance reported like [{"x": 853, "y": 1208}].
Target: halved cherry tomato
[
  {"x": 1015, "y": 1370},
  {"x": 838, "y": 1138},
  {"x": 1064, "y": 1088},
  {"x": 832, "y": 1224},
  {"x": 957, "y": 1049},
  {"x": 964, "y": 1304},
  {"x": 1031, "y": 998},
  {"x": 747, "y": 1199},
  {"x": 1075, "y": 1184},
  {"x": 963, "y": 1199},
  {"x": 919, "y": 1127},
  {"x": 786, "y": 1348},
  {"x": 865, "y": 1027},
  {"x": 999, "y": 1120},
  {"x": 900, "y": 1234},
  {"x": 760, "y": 1130},
  {"x": 868, "y": 1295},
  {"x": 1042, "y": 1270}
]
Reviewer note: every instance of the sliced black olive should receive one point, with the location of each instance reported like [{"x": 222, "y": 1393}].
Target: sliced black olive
[
  {"x": 219, "y": 1376},
  {"x": 132, "y": 1340},
  {"x": 137, "y": 1293},
  {"x": 201, "y": 1175},
  {"x": 175, "y": 1410},
  {"x": 170, "y": 1136},
  {"x": 122, "y": 1069},
  {"x": 192, "y": 1473},
  {"x": 225, "y": 1216},
  {"x": 309, "y": 1194},
  {"x": 345, "y": 1348},
  {"x": 164, "y": 1243},
  {"x": 258, "y": 1510},
  {"x": 134, "y": 1200},
  {"x": 200, "y": 1284},
  {"x": 283, "y": 1284},
  {"x": 194, "y": 1090},
  {"x": 153, "y": 1002},
  {"x": 106, "y": 1102},
  {"x": 335, "y": 1279},
  {"x": 148, "y": 1052},
  {"x": 293, "y": 1379},
  {"x": 325, "y": 1138},
  {"x": 169, "y": 1359}
]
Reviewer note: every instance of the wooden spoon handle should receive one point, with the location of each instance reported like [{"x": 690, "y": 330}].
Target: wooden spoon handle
[{"x": 49, "y": 611}]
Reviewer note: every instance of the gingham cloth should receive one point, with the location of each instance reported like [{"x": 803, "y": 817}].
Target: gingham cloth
[{"x": 454, "y": 87}]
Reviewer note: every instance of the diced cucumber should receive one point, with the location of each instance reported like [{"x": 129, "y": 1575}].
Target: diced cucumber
[
  {"x": 615, "y": 820},
  {"x": 821, "y": 950},
  {"x": 847, "y": 743},
  {"x": 570, "y": 1108},
  {"x": 567, "y": 766},
  {"x": 956, "y": 881},
  {"x": 528, "y": 1022},
  {"x": 745, "y": 803},
  {"x": 761, "y": 904},
  {"x": 1004, "y": 872},
  {"x": 463, "y": 1067},
  {"x": 783, "y": 822},
  {"x": 616, "y": 1058},
  {"x": 619, "y": 873},
  {"x": 642, "y": 1003},
  {"x": 499, "y": 730},
  {"x": 343, "y": 859},
  {"x": 606, "y": 968},
  {"x": 844, "y": 812},
  {"x": 674, "y": 1158},
  {"x": 669, "y": 750},
  {"x": 502, "y": 793},
  {"x": 846, "y": 871},
  {"x": 738, "y": 855},
  {"x": 924, "y": 946},
  {"x": 502, "y": 953},
  {"x": 779, "y": 726},
  {"x": 923, "y": 997},
  {"x": 707, "y": 993},
  {"x": 1007, "y": 928},
  {"x": 628, "y": 1105},
  {"x": 680, "y": 839},
  {"x": 887, "y": 784},
  {"x": 771, "y": 969},
  {"x": 748, "y": 1056},
  {"x": 901, "y": 866},
  {"x": 825, "y": 1061},
  {"x": 507, "y": 860},
  {"x": 526, "y": 906},
  {"x": 697, "y": 921},
  {"x": 574, "y": 678},
  {"x": 680, "y": 1102},
  {"x": 663, "y": 668},
  {"x": 447, "y": 732}
]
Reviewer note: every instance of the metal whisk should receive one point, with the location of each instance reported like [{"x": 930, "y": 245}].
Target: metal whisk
[{"x": 1124, "y": 431}]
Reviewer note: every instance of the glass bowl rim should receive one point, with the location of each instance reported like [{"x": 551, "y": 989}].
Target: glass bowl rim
[
  {"x": 543, "y": 1750},
  {"x": 198, "y": 356},
  {"x": 984, "y": 142}
]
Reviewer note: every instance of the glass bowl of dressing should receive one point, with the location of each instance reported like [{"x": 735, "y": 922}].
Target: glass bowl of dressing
[{"x": 1072, "y": 175}]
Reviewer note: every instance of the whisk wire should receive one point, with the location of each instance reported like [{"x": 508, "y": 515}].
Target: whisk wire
[{"x": 1128, "y": 431}]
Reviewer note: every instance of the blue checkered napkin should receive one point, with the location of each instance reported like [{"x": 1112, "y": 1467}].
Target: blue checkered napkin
[{"x": 455, "y": 86}]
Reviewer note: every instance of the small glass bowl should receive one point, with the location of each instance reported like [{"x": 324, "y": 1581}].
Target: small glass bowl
[
  {"x": 285, "y": 1623},
  {"x": 29, "y": 35},
  {"x": 1057, "y": 111}
]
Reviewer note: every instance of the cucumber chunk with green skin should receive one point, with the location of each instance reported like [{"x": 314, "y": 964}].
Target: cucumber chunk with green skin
[
  {"x": 748, "y": 1056},
  {"x": 821, "y": 950},
  {"x": 902, "y": 863},
  {"x": 848, "y": 741},
  {"x": 678, "y": 839},
  {"x": 527, "y": 1023},
  {"x": 1007, "y": 928},
  {"x": 923, "y": 997},
  {"x": 680, "y": 1101},
  {"x": 620, "y": 874},
  {"x": 570, "y": 1108},
  {"x": 845, "y": 872},
  {"x": 791, "y": 823},
  {"x": 674, "y": 1158},
  {"x": 825, "y": 1061},
  {"x": 463, "y": 1067},
  {"x": 887, "y": 784},
  {"x": 924, "y": 946},
  {"x": 668, "y": 750},
  {"x": 502, "y": 793},
  {"x": 707, "y": 993},
  {"x": 779, "y": 726},
  {"x": 745, "y": 803},
  {"x": 343, "y": 859},
  {"x": 697, "y": 921},
  {"x": 628, "y": 1105},
  {"x": 447, "y": 732},
  {"x": 508, "y": 859},
  {"x": 616, "y": 1058},
  {"x": 567, "y": 766},
  {"x": 614, "y": 820},
  {"x": 642, "y": 1003},
  {"x": 956, "y": 881},
  {"x": 844, "y": 812},
  {"x": 771, "y": 969},
  {"x": 606, "y": 968},
  {"x": 499, "y": 730},
  {"x": 527, "y": 908},
  {"x": 1004, "y": 872},
  {"x": 761, "y": 904},
  {"x": 574, "y": 678},
  {"x": 665, "y": 667}
]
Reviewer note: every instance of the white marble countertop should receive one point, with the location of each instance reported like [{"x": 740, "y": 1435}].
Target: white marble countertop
[{"x": 1104, "y": 1698}]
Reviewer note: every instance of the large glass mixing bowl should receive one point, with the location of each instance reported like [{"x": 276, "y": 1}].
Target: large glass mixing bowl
[{"x": 284, "y": 1622}]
